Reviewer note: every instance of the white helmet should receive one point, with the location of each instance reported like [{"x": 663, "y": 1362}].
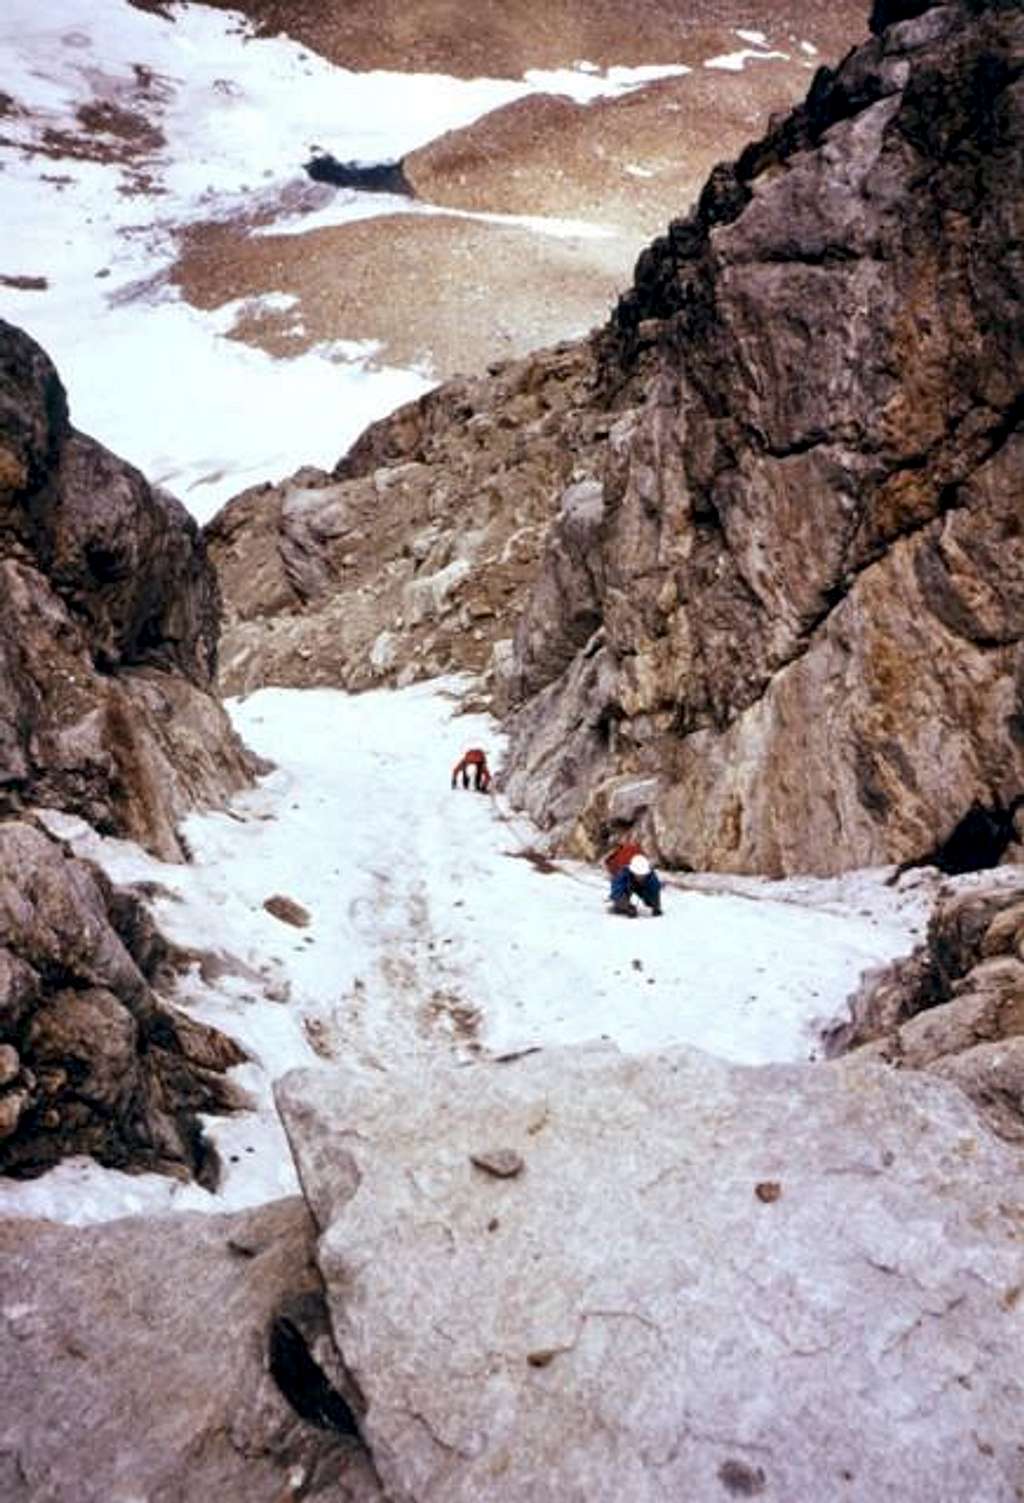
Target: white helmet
[{"x": 640, "y": 866}]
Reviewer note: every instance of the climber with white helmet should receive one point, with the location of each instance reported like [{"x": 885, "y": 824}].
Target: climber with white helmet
[{"x": 631, "y": 872}]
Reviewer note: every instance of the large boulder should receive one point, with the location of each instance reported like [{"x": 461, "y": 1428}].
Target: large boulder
[
  {"x": 109, "y": 621},
  {"x": 809, "y": 572},
  {"x": 184, "y": 1358},
  {"x": 582, "y": 1275}
]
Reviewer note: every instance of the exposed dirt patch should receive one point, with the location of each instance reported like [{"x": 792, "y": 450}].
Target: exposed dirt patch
[
  {"x": 494, "y": 39},
  {"x": 457, "y": 1019},
  {"x": 449, "y": 294},
  {"x": 454, "y": 295},
  {"x": 537, "y": 860},
  {"x": 103, "y": 117},
  {"x": 633, "y": 162}
]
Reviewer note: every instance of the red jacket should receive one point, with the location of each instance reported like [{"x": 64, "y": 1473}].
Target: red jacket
[
  {"x": 473, "y": 758},
  {"x": 622, "y": 855}
]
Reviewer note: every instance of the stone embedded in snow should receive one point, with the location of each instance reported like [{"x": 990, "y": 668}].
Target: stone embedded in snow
[
  {"x": 640, "y": 1317},
  {"x": 287, "y": 910}
]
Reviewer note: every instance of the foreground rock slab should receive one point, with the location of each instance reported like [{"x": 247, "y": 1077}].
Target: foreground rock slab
[
  {"x": 707, "y": 1281},
  {"x": 134, "y": 1363}
]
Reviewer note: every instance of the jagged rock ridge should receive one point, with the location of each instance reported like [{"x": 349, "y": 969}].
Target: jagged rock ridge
[{"x": 955, "y": 1007}]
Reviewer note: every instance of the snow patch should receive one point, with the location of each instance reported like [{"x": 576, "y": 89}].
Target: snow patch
[{"x": 735, "y": 62}]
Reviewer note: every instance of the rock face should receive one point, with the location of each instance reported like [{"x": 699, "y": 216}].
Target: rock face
[
  {"x": 705, "y": 1282},
  {"x": 956, "y": 1006},
  {"x": 109, "y": 617},
  {"x": 91, "y": 1060},
  {"x": 808, "y": 573},
  {"x": 137, "y": 1361},
  {"x": 414, "y": 558}
]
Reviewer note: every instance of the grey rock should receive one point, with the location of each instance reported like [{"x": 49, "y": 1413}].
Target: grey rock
[
  {"x": 10, "y": 1064},
  {"x": 713, "y": 1281},
  {"x": 135, "y": 1363},
  {"x": 629, "y": 797},
  {"x": 503, "y": 1163},
  {"x": 433, "y": 522},
  {"x": 109, "y": 620},
  {"x": 956, "y": 1006}
]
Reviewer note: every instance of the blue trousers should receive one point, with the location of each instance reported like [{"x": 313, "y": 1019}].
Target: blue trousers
[{"x": 647, "y": 889}]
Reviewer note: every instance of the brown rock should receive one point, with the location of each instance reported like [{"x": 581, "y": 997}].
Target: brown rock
[
  {"x": 956, "y": 1007},
  {"x": 811, "y": 555},
  {"x": 360, "y": 578},
  {"x": 502, "y": 1163},
  {"x": 287, "y": 910},
  {"x": 755, "y": 546},
  {"x": 102, "y": 1065},
  {"x": 109, "y": 618}
]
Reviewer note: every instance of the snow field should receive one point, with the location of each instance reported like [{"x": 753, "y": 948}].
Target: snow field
[{"x": 429, "y": 930}]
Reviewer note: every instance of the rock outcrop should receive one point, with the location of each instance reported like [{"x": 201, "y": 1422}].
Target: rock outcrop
[
  {"x": 415, "y": 557},
  {"x": 764, "y": 530},
  {"x": 91, "y": 1059},
  {"x": 146, "y": 1359},
  {"x": 704, "y": 1281},
  {"x": 808, "y": 571},
  {"x": 109, "y": 619},
  {"x": 956, "y": 1005}
]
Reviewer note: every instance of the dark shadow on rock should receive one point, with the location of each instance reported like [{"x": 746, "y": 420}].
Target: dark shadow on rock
[
  {"x": 372, "y": 177},
  {"x": 978, "y": 842},
  {"x": 304, "y": 1383}
]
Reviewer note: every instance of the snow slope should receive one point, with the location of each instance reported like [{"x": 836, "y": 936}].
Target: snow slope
[{"x": 430, "y": 930}]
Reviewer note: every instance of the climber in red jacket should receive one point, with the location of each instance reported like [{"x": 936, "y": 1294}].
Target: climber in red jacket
[
  {"x": 631, "y": 872},
  {"x": 476, "y": 759}
]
